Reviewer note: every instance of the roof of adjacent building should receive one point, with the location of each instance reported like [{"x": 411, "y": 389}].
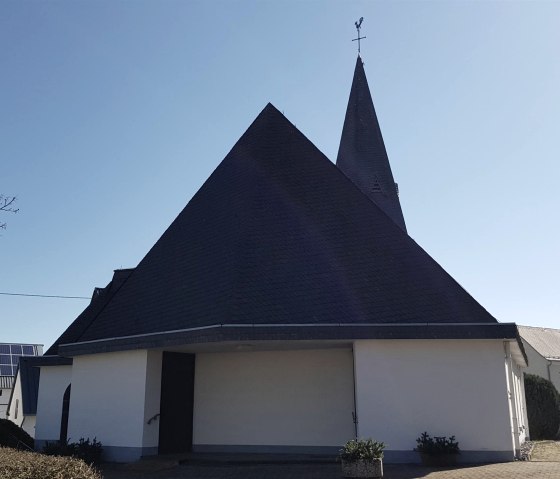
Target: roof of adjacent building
[
  {"x": 29, "y": 376},
  {"x": 546, "y": 341},
  {"x": 279, "y": 239},
  {"x": 362, "y": 155},
  {"x": 29, "y": 385},
  {"x": 6, "y": 382}
]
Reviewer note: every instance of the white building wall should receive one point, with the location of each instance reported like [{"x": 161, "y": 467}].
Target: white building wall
[
  {"x": 108, "y": 402},
  {"x": 541, "y": 366},
  {"x": 14, "y": 412},
  {"x": 555, "y": 373},
  {"x": 521, "y": 406},
  {"x": 444, "y": 387},
  {"x": 28, "y": 425},
  {"x": 537, "y": 364},
  {"x": 273, "y": 400},
  {"x": 52, "y": 383}
]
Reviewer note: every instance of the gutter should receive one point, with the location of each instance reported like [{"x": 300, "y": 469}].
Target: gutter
[{"x": 292, "y": 332}]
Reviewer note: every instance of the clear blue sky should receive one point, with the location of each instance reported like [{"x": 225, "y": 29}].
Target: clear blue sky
[{"x": 113, "y": 114}]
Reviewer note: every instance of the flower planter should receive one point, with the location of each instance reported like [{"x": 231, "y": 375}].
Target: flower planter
[
  {"x": 439, "y": 460},
  {"x": 362, "y": 468}
]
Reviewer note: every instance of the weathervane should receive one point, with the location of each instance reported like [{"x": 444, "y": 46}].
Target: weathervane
[{"x": 358, "y": 26}]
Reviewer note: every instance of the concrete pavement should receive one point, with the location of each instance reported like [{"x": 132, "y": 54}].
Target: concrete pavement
[{"x": 545, "y": 464}]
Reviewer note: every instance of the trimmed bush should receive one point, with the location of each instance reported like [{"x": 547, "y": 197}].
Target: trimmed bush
[
  {"x": 543, "y": 407},
  {"x": 362, "y": 450},
  {"x": 89, "y": 452},
  {"x": 437, "y": 445},
  {"x": 14, "y": 436},
  {"x": 30, "y": 465}
]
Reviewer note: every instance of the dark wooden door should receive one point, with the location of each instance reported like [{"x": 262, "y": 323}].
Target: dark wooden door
[{"x": 177, "y": 399}]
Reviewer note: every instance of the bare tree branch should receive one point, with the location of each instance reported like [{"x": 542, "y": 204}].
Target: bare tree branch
[{"x": 7, "y": 205}]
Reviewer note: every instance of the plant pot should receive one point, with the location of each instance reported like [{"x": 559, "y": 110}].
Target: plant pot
[
  {"x": 439, "y": 460},
  {"x": 362, "y": 468}
]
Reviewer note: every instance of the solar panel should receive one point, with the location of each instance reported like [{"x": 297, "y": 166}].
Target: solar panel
[{"x": 10, "y": 354}]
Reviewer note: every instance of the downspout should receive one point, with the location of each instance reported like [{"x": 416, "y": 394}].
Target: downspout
[
  {"x": 355, "y": 412},
  {"x": 548, "y": 364},
  {"x": 512, "y": 399}
]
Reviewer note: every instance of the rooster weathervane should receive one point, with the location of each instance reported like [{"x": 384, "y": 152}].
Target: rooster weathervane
[{"x": 358, "y": 26}]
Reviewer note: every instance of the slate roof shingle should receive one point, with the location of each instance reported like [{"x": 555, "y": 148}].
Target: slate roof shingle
[{"x": 278, "y": 235}]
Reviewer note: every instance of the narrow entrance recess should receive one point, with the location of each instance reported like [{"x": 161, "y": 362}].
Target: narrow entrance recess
[
  {"x": 177, "y": 399},
  {"x": 64, "y": 416}
]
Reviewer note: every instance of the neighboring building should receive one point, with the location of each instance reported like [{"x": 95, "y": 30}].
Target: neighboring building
[
  {"x": 9, "y": 358},
  {"x": 543, "y": 350},
  {"x": 22, "y": 406},
  {"x": 286, "y": 309}
]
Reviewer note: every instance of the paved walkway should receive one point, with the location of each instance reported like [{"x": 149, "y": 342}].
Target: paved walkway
[
  {"x": 511, "y": 470},
  {"x": 545, "y": 464}
]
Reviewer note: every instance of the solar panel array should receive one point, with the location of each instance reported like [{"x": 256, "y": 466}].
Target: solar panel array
[{"x": 10, "y": 354}]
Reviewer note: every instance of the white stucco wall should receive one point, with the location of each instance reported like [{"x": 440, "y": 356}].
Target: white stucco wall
[
  {"x": 107, "y": 401},
  {"x": 113, "y": 397},
  {"x": 555, "y": 373},
  {"x": 14, "y": 412},
  {"x": 52, "y": 383},
  {"x": 542, "y": 367},
  {"x": 274, "y": 398},
  {"x": 445, "y": 387}
]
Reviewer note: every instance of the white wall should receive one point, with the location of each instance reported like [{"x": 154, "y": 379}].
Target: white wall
[
  {"x": 555, "y": 374},
  {"x": 107, "y": 400},
  {"x": 274, "y": 398},
  {"x": 15, "y": 413},
  {"x": 445, "y": 387},
  {"x": 29, "y": 425},
  {"x": 52, "y": 383},
  {"x": 542, "y": 367}
]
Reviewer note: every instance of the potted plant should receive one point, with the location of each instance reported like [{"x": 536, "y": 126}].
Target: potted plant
[
  {"x": 362, "y": 458},
  {"x": 437, "y": 451}
]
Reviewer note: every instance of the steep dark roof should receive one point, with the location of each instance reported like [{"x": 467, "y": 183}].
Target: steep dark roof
[
  {"x": 99, "y": 298},
  {"x": 362, "y": 155},
  {"x": 279, "y": 236}
]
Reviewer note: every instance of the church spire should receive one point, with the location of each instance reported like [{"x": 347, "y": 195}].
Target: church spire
[{"x": 362, "y": 156}]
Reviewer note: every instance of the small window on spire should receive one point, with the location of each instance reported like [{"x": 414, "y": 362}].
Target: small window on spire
[{"x": 376, "y": 187}]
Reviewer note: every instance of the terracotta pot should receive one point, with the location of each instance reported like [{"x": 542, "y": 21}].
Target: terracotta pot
[{"x": 363, "y": 468}]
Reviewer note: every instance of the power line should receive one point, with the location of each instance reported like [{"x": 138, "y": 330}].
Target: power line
[{"x": 46, "y": 295}]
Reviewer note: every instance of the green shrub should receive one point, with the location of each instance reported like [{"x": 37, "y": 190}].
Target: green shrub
[
  {"x": 14, "y": 436},
  {"x": 30, "y": 465},
  {"x": 362, "y": 449},
  {"x": 543, "y": 407},
  {"x": 89, "y": 452},
  {"x": 436, "y": 445}
]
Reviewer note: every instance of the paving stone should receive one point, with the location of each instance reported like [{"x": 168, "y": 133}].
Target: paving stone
[{"x": 509, "y": 470}]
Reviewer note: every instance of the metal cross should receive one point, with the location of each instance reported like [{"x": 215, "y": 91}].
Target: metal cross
[{"x": 358, "y": 26}]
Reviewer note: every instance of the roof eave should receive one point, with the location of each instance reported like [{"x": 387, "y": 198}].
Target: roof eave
[{"x": 255, "y": 332}]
